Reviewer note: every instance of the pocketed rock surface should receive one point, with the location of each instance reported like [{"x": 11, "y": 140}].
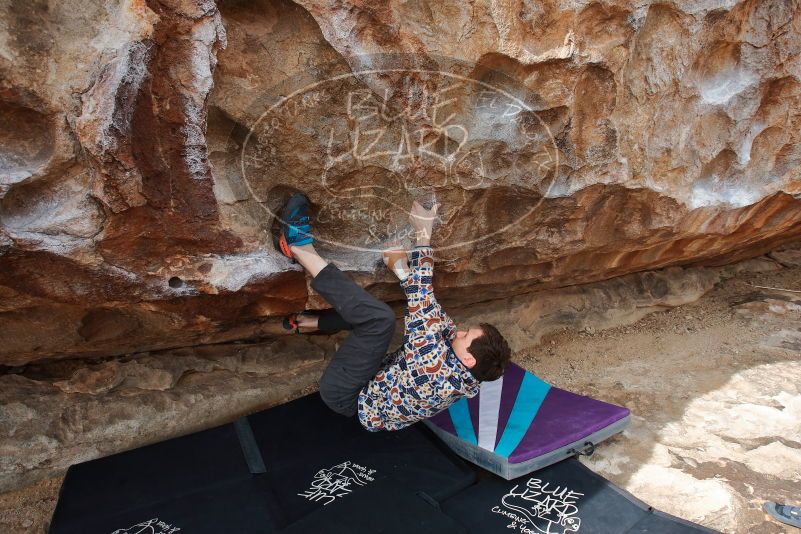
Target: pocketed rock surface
[{"x": 146, "y": 144}]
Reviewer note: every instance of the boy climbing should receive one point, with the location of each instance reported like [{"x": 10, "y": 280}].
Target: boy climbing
[{"x": 436, "y": 364}]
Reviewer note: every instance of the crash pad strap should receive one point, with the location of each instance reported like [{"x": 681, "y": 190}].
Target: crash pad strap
[{"x": 249, "y": 447}]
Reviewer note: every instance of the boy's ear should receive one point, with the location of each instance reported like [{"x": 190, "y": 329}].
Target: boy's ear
[{"x": 469, "y": 361}]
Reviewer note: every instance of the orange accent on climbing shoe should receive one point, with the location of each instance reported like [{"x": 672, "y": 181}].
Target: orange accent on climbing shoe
[{"x": 284, "y": 246}]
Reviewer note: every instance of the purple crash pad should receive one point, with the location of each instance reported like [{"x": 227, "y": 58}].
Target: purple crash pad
[{"x": 519, "y": 423}]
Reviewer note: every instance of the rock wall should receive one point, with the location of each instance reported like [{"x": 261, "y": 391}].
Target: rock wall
[
  {"x": 60, "y": 413},
  {"x": 146, "y": 144}
]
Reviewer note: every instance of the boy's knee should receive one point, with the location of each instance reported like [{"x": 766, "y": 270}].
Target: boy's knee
[
  {"x": 332, "y": 397},
  {"x": 327, "y": 389},
  {"x": 383, "y": 324},
  {"x": 326, "y": 394}
]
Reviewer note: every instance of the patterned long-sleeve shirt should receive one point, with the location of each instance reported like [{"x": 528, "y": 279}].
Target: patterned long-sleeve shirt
[{"x": 424, "y": 376}]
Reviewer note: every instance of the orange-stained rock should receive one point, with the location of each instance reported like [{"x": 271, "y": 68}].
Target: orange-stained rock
[{"x": 146, "y": 145}]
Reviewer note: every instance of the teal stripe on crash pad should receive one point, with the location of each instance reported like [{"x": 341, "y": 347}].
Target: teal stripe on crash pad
[
  {"x": 529, "y": 399},
  {"x": 460, "y": 415}
]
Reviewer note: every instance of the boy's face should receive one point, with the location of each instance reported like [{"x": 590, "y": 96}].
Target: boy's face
[{"x": 462, "y": 341}]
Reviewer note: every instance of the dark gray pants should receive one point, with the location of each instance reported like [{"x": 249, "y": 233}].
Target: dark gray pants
[{"x": 359, "y": 357}]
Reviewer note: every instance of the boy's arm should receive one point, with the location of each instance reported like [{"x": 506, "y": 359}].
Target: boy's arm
[
  {"x": 424, "y": 313},
  {"x": 425, "y": 316}
]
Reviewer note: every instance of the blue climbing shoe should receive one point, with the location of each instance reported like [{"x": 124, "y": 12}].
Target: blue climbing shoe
[
  {"x": 789, "y": 515},
  {"x": 295, "y": 224}
]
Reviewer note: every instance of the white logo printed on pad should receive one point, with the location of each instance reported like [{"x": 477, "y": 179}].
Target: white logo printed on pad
[
  {"x": 539, "y": 508},
  {"x": 151, "y": 526},
  {"x": 337, "y": 481}
]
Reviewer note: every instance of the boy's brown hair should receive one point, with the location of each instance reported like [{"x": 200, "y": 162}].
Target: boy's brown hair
[{"x": 491, "y": 352}]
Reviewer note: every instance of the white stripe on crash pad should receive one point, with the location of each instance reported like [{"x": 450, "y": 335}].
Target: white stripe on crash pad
[{"x": 489, "y": 405}]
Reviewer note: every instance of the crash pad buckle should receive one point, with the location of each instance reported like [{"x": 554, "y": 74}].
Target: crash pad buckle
[{"x": 586, "y": 450}]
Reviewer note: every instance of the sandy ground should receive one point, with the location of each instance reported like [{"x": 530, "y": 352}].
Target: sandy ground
[{"x": 715, "y": 392}]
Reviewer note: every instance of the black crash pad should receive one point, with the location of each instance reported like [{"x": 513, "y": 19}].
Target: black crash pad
[
  {"x": 563, "y": 498},
  {"x": 169, "y": 480},
  {"x": 242, "y": 506},
  {"x": 661, "y": 523},
  {"x": 205, "y": 483},
  {"x": 301, "y": 468},
  {"x": 400, "y": 511},
  {"x": 303, "y": 442}
]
